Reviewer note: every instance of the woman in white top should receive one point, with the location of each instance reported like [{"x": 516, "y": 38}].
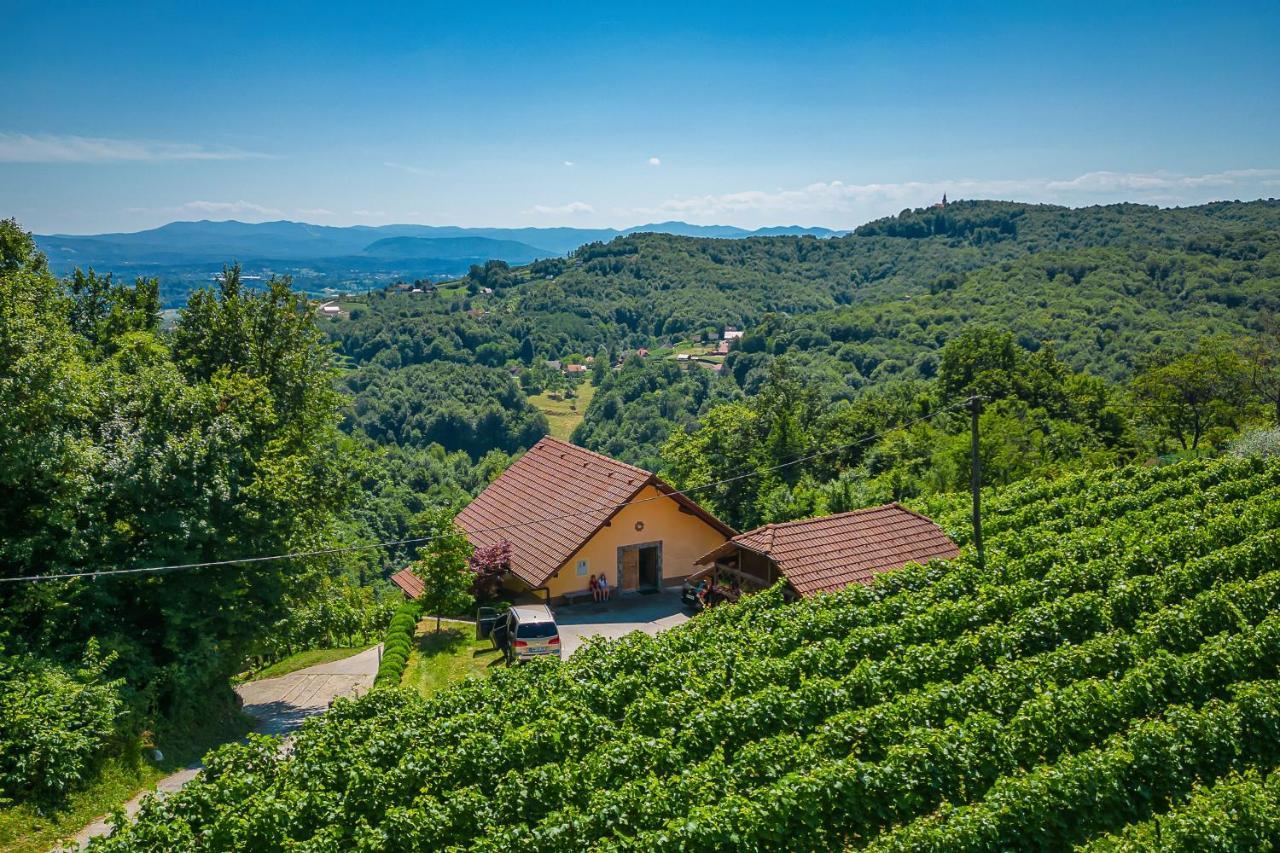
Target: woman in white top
[{"x": 603, "y": 586}]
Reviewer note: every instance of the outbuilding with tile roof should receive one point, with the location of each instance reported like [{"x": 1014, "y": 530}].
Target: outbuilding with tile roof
[
  {"x": 408, "y": 583},
  {"x": 570, "y": 513},
  {"x": 831, "y": 552}
]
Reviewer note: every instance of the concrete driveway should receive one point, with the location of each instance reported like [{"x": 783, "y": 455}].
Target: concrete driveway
[
  {"x": 623, "y": 614},
  {"x": 279, "y": 705}
]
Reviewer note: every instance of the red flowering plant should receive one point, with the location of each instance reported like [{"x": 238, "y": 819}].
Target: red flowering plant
[{"x": 489, "y": 564}]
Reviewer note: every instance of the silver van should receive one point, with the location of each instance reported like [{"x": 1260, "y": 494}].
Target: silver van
[{"x": 531, "y": 633}]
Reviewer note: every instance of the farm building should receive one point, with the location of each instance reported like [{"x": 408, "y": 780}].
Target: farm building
[
  {"x": 831, "y": 552},
  {"x": 409, "y": 583},
  {"x": 570, "y": 513}
]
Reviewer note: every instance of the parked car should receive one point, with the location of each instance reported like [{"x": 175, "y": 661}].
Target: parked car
[{"x": 528, "y": 631}]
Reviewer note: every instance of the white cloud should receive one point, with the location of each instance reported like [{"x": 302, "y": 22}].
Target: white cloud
[
  {"x": 1129, "y": 181},
  {"x": 373, "y": 213},
  {"x": 569, "y": 163},
  {"x": 228, "y": 207},
  {"x": 224, "y": 209},
  {"x": 49, "y": 148},
  {"x": 654, "y": 161},
  {"x": 836, "y": 202},
  {"x": 412, "y": 170},
  {"x": 316, "y": 211},
  {"x": 563, "y": 209}
]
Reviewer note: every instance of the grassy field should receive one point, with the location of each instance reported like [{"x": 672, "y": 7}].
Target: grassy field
[
  {"x": 302, "y": 660},
  {"x": 697, "y": 352},
  {"x": 26, "y": 829},
  {"x": 452, "y": 655},
  {"x": 564, "y": 415}
]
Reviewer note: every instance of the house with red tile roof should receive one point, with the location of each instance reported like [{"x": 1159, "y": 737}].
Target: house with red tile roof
[
  {"x": 408, "y": 582},
  {"x": 570, "y": 513},
  {"x": 831, "y": 552}
]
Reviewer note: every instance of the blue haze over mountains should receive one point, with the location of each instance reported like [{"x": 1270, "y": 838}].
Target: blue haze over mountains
[{"x": 327, "y": 258}]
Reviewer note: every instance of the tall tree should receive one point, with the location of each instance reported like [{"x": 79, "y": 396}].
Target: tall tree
[
  {"x": 1263, "y": 353},
  {"x": 1190, "y": 394},
  {"x": 444, "y": 567},
  {"x": 123, "y": 446}
]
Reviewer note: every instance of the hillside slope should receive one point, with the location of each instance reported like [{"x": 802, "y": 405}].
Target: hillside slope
[
  {"x": 1123, "y": 275},
  {"x": 1114, "y": 666},
  {"x": 481, "y": 248}
]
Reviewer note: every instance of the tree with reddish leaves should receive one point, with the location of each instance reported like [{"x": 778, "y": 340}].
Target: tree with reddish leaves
[{"x": 489, "y": 564}]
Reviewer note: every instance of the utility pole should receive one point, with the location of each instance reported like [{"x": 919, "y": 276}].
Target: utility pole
[{"x": 975, "y": 479}]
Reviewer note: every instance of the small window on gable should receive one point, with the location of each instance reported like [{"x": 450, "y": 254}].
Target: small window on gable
[{"x": 582, "y": 568}]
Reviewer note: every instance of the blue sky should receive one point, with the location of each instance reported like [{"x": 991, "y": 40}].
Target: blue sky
[{"x": 125, "y": 116}]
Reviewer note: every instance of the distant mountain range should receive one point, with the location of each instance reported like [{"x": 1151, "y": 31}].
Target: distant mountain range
[
  {"x": 204, "y": 242},
  {"x": 325, "y": 259}
]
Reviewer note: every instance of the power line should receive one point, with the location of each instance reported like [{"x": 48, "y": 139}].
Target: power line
[{"x": 602, "y": 509}]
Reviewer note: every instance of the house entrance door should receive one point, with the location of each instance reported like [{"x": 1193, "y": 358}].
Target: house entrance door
[
  {"x": 650, "y": 567},
  {"x": 629, "y": 571},
  {"x": 640, "y": 566}
]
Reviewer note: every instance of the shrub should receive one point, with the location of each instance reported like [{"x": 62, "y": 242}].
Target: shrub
[
  {"x": 398, "y": 644},
  {"x": 54, "y": 723},
  {"x": 1262, "y": 442}
]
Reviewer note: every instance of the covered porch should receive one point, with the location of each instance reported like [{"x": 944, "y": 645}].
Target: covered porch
[{"x": 736, "y": 567}]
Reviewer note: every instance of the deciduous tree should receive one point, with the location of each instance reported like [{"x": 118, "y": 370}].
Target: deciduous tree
[{"x": 443, "y": 567}]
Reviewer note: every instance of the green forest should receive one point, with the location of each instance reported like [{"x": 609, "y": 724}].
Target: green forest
[
  {"x": 1107, "y": 349},
  {"x": 1065, "y": 321}
]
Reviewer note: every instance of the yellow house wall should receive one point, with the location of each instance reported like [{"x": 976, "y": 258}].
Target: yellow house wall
[{"x": 684, "y": 538}]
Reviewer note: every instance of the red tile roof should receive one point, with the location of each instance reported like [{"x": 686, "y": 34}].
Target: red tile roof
[
  {"x": 829, "y": 553},
  {"x": 553, "y": 499},
  {"x": 409, "y": 583}
]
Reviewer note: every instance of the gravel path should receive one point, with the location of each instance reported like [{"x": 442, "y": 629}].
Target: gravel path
[{"x": 279, "y": 705}]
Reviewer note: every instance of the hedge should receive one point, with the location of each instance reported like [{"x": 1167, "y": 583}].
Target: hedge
[{"x": 398, "y": 644}]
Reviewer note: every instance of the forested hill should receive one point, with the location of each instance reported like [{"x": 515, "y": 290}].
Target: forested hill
[
  {"x": 1063, "y": 309},
  {"x": 1126, "y": 269}
]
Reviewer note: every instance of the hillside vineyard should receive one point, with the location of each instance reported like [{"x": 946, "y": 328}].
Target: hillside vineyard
[{"x": 1108, "y": 679}]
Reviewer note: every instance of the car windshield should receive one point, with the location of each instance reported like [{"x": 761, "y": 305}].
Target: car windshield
[{"x": 536, "y": 630}]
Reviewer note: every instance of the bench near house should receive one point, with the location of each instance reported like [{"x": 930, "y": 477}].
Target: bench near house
[
  {"x": 570, "y": 513},
  {"x": 829, "y": 553}
]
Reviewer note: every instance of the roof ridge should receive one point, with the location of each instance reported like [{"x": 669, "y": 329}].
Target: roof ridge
[
  {"x": 774, "y": 525},
  {"x": 913, "y": 512},
  {"x": 617, "y": 463}
]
